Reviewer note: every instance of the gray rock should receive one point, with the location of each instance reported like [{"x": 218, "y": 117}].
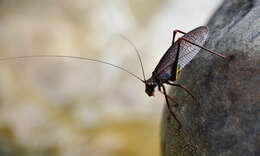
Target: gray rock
[{"x": 226, "y": 122}]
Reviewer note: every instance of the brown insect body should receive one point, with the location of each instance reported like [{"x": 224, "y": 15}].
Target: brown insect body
[
  {"x": 167, "y": 68},
  {"x": 173, "y": 61}
]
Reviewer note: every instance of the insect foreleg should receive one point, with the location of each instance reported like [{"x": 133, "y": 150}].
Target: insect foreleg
[
  {"x": 159, "y": 88},
  {"x": 169, "y": 106}
]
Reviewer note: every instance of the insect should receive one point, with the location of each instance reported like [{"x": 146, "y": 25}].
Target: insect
[{"x": 180, "y": 53}]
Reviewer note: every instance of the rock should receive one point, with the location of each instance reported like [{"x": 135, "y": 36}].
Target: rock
[{"x": 226, "y": 122}]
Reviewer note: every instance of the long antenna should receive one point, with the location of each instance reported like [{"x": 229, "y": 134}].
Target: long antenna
[
  {"x": 136, "y": 51},
  {"x": 73, "y": 57}
]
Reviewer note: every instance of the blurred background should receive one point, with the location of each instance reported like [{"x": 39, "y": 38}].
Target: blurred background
[{"x": 66, "y": 107}]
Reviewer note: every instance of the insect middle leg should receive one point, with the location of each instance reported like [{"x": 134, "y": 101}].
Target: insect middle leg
[
  {"x": 169, "y": 106},
  {"x": 185, "y": 89}
]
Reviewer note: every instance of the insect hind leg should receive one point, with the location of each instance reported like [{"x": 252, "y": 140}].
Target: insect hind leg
[
  {"x": 206, "y": 49},
  {"x": 174, "y": 34}
]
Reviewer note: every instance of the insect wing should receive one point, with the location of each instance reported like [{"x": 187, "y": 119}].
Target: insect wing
[
  {"x": 164, "y": 68},
  {"x": 187, "y": 50}
]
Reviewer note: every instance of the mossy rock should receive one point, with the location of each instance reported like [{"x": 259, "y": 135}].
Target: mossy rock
[{"x": 226, "y": 120}]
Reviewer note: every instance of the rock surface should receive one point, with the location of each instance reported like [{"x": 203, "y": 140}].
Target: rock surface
[{"x": 226, "y": 122}]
